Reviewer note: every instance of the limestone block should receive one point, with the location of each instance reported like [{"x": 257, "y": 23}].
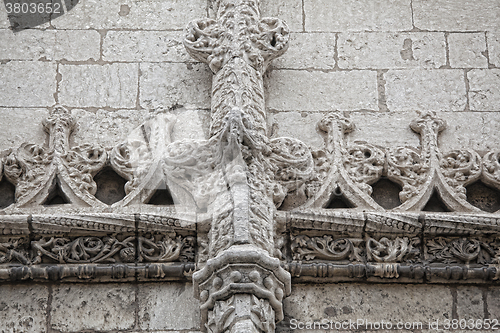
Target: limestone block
[
  {"x": 391, "y": 50},
  {"x": 298, "y": 125},
  {"x": 318, "y": 91},
  {"x": 191, "y": 124},
  {"x": 373, "y": 127},
  {"x": 21, "y": 125},
  {"x": 99, "y": 307},
  {"x": 493, "y": 39},
  {"x": 484, "y": 89},
  {"x": 145, "y": 46},
  {"x": 308, "y": 50},
  {"x": 467, "y": 50},
  {"x": 289, "y": 11},
  {"x": 168, "y": 306},
  {"x": 339, "y": 302},
  {"x": 23, "y": 308},
  {"x": 357, "y": 15},
  {"x": 106, "y": 128},
  {"x": 27, "y": 84},
  {"x": 32, "y": 44},
  {"x": 452, "y": 15},
  {"x": 4, "y": 20},
  {"x": 425, "y": 90},
  {"x": 470, "y": 303},
  {"x": 132, "y": 14},
  {"x": 167, "y": 85},
  {"x": 96, "y": 85},
  {"x": 493, "y": 300},
  {"x": 476, "y": 130}
]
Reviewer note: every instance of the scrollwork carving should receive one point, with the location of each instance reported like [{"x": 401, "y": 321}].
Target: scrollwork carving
[
  {"x": 460, "y": 168},
  {"x": 460, "y": 250},
  {"x": 386, "y": 250},
  {"x": 326, "y": 247},
  {"x": 364, "y": 164},
  {"x": 109, "y": 249}
]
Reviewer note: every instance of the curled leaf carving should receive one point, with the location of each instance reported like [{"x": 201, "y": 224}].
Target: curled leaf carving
[
  {"x": 406, "y": 167},
  {"x": 364, "y": 164},
  {"x": 309, "y": 248},
  {"x": 461, "y": 167},
  {"x": 386, "y": 250}
]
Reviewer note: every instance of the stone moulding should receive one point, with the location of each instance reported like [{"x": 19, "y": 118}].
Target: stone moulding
[{"x": 319, "y": 245}]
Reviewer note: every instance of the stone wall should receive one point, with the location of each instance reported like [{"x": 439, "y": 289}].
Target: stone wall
[
  {"x": 164, "y": 307},
  {"x": 115, "y": 63}
]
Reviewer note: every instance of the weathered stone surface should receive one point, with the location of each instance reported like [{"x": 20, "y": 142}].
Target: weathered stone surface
[
  {"x": 431, "y": 90},
  {"x": 4, "y": 20},
  {"x": 341, "y": 302},
  {"x": 23, "y": 308},
  {"x": 27, "y": 84},
  {"x": 392, "y": 50},
  {"x": 168, "y": 306},
  {"x": 470, "y": 303},
  {"x": 309, "y": 50},
  {"x": 467, "y": 50},
  {"x": 356, "y": 15},
  {"x": 32, "y": 44},
  {"x": 476, "y": 130},
  {"x": 191, "y": 124},
  {"x": 98, "y": 307},
  {"x": 131, "y": 14},
  {"x": 289, "y": 11},
  {"x": 21, "y": 125},
  {"x": 373, "y": 127},
  {"x": 166, "y": 85},
  {"x": 299, "y": 125},
  {"x": 96, "y": 85},
  {"x": 451, "y": 15},
  {"x": 145, "y": 46},
  {"x": 317, "y": 91},
  {"x": 493, "y": 39},
  {"x": 484, "y": 89},
  {"x": 493, "y": 300},
  {"x": 107, "y": 128}
]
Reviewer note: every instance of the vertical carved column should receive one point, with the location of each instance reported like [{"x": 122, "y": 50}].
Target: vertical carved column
[{"x": 241, "y": 287}]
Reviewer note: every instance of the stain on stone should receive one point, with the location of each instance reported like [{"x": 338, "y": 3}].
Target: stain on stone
[
  {"x": 346, "y": 309},
  {"x": 110, "y": 186},
  {"x": 7, "y": 193},
  {"x": 407, "y": 52},
  {"x": 124, "y": 10},
  {"x": 330, "y": 311},
  {"x": 483, "y": 197},
  {"x": 3, "y": 306},
  {"x": 181, "y": 289}
]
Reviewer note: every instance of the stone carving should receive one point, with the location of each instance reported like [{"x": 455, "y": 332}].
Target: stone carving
[
  {"x": 109, "y": 249},
  {"x": 330, "y": 248},
  {"x": 308, "y": 248},
  {"x": 239, "y": 176},
  {"x": 13, "y": 250},
  {"x": 35, "y": 170},
  {"x": 389, "y": 251},
  {"x": 461, "y": 250}
]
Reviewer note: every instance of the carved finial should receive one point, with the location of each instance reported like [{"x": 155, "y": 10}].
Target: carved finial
[
  {"x": 238, "y": 33},
  {"x": 429, "y": 121},
  {"x": 59, "y": 126}
]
